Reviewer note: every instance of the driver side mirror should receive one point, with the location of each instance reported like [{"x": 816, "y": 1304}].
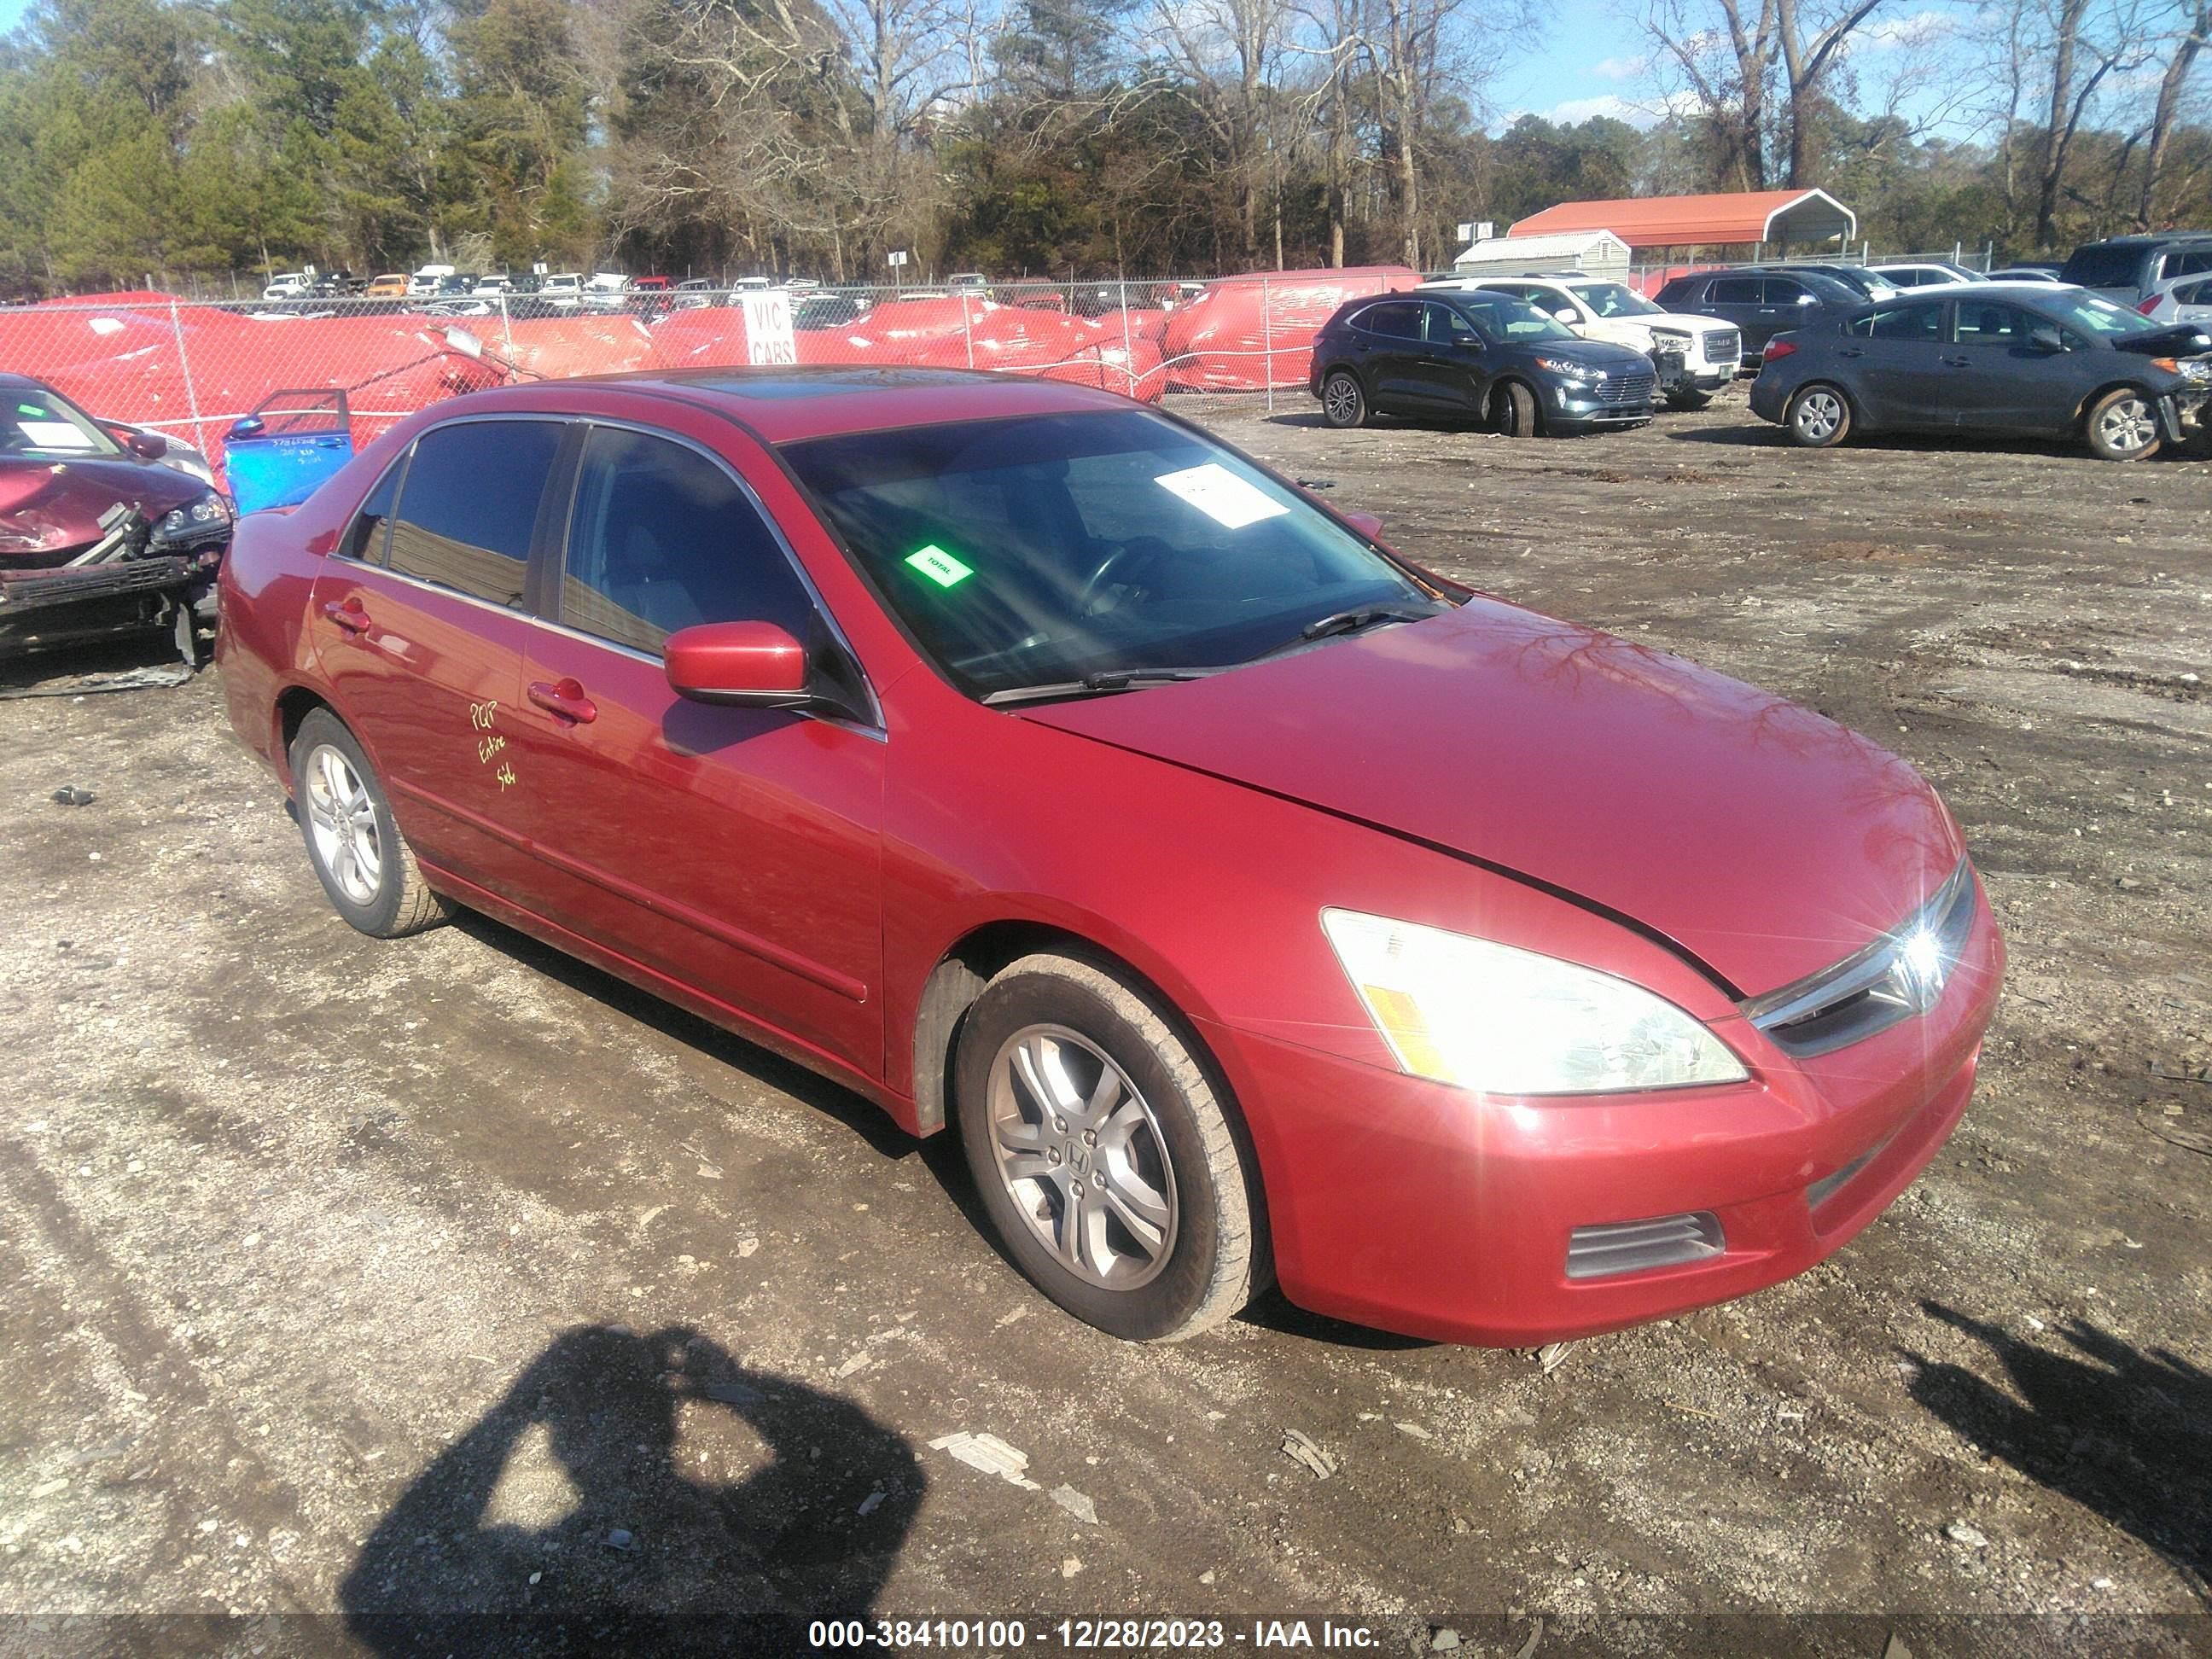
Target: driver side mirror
[
  {"x": 748, "y": 664},
  {"x": 2047, "y": 339},
  {"x": 146, "y": 446},
  {"x": 1365, "y": 523}
]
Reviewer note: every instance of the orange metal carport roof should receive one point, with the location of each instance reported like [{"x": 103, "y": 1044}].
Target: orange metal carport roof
[{"x": 1754, "y": 216}]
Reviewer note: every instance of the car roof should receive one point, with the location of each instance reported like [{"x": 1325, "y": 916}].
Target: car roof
[{"x": 787, "y": 404}]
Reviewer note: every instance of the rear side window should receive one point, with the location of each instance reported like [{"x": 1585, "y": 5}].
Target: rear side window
[
  {"x": 1923, "y": 322},
  {"x": 470, "y": 504},
  {"x": 365, "y": 540},
  {"x": 1733, "y": 291},
  {"x": 2187, "y": 262},
  {"x": 662, "y": 538},
  {"x": 1399, "y": 322},
  {"x": 2193, "y": 293}
]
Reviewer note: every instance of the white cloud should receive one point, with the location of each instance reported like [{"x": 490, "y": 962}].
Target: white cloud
[
  {"x": 1637, "y": 112},
  {"x": 1621, "y": 68}
]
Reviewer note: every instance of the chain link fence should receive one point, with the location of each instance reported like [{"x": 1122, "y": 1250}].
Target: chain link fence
[{"x": 190, "y": 369}]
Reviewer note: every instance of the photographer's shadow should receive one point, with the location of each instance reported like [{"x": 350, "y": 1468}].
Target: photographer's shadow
[{"x": 562, "y": 1521}]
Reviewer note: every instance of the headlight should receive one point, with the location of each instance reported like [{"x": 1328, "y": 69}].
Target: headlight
[
  {"x": 2197, "y": 368},
  {"x": 1511, "y": 1022},
  {"x": 1567, "y": 368},
  {"x": 202, "y": 513}
]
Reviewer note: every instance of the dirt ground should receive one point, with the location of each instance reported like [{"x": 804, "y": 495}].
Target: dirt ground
[{"x": 449, "y": 1274}]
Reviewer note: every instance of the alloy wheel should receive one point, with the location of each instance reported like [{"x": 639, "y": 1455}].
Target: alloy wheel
[
  {"x": 343, "y": 820},
  {"x": 1340, "y": 399},
  {"x": 1082, "y": 1156},
  {"x": 2127, "y": 426}
]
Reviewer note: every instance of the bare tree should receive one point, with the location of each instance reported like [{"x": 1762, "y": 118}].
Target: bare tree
[{"x": 2193, "y": 31}]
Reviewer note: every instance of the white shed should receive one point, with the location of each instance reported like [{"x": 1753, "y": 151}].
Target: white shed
[{"x": 1596, "y": 253}]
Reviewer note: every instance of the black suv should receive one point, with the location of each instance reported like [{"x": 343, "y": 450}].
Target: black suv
[
  {"x": 1761, "y": 303},
  {"x": 2125, "y": 268},
  {"x": 1474, "y": 356}
]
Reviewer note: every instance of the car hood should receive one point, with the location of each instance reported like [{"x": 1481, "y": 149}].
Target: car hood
[
  {"x": 1761, "y": 838},
  {"x": 1597, "y": 354},
  {"x": 46, "y": 506}
]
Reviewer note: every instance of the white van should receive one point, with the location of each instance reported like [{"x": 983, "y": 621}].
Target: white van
[{"x": 426, "y": 280}]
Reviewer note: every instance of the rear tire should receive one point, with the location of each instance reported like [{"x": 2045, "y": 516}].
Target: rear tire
[
  {"x": 1819, "y": 417},
  {"x": 364, "y": 863},
  {"x": 2123, "y": 426},
  {"x": 1343, "y": 400},
  {"x": 1514, "y": 410},
  {"x": 1105, "y": 1160},
  {"x": 1685, "y": 402}
]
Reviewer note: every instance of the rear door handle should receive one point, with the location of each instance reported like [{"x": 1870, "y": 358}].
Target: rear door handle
[
  {"x": 1958, "y": 363},
  {"x": 565, "y": 700},
  {"x": 348, "y": 615},
  {"x": 1851, "y": 351}
]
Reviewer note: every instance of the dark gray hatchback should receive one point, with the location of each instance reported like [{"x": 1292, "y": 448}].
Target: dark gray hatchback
[
  {"x": 1479, "y": 357},
  {"x": 2003, "y": 358}
]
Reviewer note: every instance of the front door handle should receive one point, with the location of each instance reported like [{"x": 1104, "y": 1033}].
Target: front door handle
[
  {"x": 348, "y": 615},
  {"x": 1852, "y": 351},
  {"x": 1958, "y": 363},
  {"x": 564, "y": 699}
]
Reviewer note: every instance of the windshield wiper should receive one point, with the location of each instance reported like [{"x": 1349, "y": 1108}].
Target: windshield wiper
[
  {"x": 1346, "y": 621},
  {"x": 1103, "y": 679}
]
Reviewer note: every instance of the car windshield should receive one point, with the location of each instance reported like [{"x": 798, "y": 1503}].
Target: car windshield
[
  {"x": 1041, "y": 551},
  {"x": 2094, "y": 314},
  {"x": 40, "y": 422},
  {"x": 1615, "y": 300},
  {"x": 1502, "y": 316}
]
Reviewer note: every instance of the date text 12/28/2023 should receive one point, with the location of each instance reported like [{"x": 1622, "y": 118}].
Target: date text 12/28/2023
[{"x": 1089, "y": 1635}]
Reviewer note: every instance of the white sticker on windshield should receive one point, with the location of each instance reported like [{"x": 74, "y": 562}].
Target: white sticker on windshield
[
  {"x": 53, "y": 435},
  {"x": 1223, "y": 497}
]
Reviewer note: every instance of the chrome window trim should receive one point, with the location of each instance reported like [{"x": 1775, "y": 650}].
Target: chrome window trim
[{"x": 1878, "y": 974}]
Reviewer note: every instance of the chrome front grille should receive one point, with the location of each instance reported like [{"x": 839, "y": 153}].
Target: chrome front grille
[
  {"x": 1723, "y": 345},
  {"x": 1621, "y": 391},
  {"x": 1899, "y": 975},
  {"x": 1629, "y": 1247}
]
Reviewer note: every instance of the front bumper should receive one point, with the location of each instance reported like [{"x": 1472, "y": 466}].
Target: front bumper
[
  {"x": 1427, "y": 1210},
  {"x": 1570, "y": 409}
]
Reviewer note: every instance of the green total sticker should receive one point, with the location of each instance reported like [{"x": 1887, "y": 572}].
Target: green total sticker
[{"x": 940, "y": 567}]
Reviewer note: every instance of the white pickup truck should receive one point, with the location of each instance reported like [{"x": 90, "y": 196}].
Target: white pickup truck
[{"x": 1695, "y": 356}]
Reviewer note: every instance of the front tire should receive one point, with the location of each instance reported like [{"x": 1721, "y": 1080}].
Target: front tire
[
  {"x": 2123, "y": 426},
  {"x": 1819, "y": 417},
  {"x": 1343, "y": 400},
  {"x": 1514, "y": 410},
  {"x": 1687, "y": 402},
  {"x": 364, "y": 863},
  {"x": 1103, "y": 1155}
]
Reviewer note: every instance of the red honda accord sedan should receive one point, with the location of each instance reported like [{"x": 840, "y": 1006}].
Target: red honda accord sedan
[{"x": 1258, "y": 904}]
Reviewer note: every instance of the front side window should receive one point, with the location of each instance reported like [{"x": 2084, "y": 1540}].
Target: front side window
[
  {"x": 468, "y": 505},
  {"x": 662, "y": 538},
  {"x": 2003, "y": 326},
  {"x": 1032, "y": 552},
  {"x": 2187, "y": 263},
  {"x": 1447, "y": 327},
  {"x": 1502, "y": 316},
  {"x": 1783, "y": 291}
]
